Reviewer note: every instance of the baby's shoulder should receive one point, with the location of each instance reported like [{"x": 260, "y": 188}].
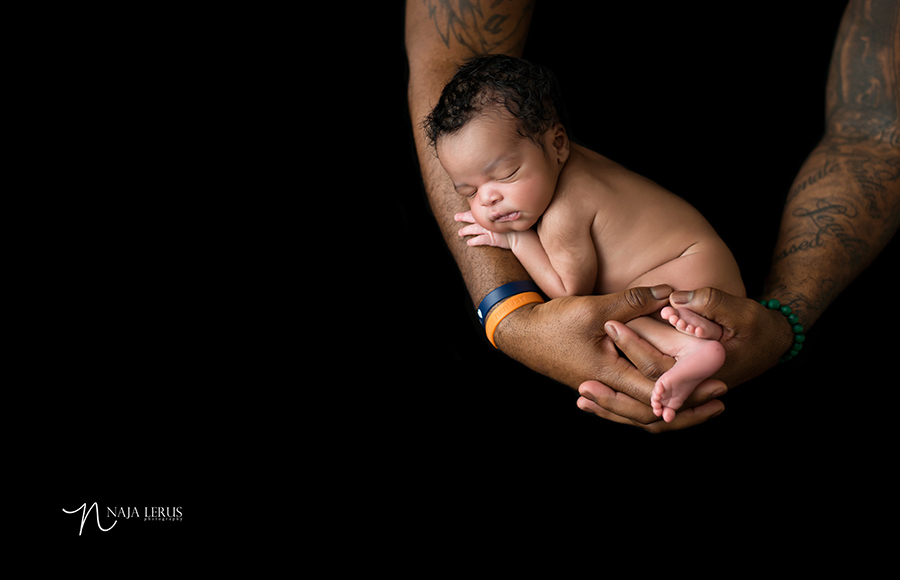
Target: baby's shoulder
[
  {"x": 608, "y": 183},
  {"x": 586, "y": 180},
  {"x": 574, "y": 206},
  {"x": 589, "y": 173}
]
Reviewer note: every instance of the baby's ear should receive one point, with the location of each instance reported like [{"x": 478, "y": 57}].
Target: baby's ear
[{"x": 559, "y": 141}]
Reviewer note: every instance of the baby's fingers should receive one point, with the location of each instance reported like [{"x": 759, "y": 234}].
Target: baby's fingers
[
  {"x": 472, "y": 230},
  {"x": 482, "y": 240},
  {"x": 465, "y": 217},
  {"x": 481, "y": 237}
]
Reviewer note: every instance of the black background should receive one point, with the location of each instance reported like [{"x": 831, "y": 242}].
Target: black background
[{"x": 242, "y": 295}]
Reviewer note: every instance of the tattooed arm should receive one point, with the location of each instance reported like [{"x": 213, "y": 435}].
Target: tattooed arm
[
  {"x": 440, "y": 35},
  {"x": 844, "y": 205}
]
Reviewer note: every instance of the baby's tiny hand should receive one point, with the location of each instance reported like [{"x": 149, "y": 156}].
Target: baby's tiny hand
[{"x": 482, "y": 237}]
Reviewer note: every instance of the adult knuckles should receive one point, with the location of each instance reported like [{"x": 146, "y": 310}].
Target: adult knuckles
[
  {"x": 653, "y": 369},
  {"x": 709, "y": 298},
  {"x": 721, "y": 307},
  {"x": 639, "y": 300}
]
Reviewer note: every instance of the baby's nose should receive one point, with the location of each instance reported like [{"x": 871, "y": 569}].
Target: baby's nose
[{"x": 490, "y": 197}]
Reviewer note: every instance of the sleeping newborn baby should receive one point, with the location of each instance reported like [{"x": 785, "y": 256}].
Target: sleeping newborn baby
[{"x": 579, "y": 223}]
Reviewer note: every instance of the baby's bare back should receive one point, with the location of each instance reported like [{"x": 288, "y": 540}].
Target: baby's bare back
[{"x": 643, "y": 234}]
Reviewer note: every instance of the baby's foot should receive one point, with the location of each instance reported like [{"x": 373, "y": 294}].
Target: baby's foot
[
  {"x": 689, "y": 322},
  {"x": 675, "y": 385},
  {"x": 665, "y": 403}
]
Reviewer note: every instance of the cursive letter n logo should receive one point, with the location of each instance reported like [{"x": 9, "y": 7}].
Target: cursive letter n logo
[{"x": 84, "y": 515}]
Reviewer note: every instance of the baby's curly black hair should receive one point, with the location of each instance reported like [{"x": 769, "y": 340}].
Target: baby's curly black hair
[{"x": 528, "y": 91}]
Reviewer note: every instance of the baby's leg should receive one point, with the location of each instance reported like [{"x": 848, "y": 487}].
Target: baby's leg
[
  {"x": 689, "y": 322},
  {"x": 696, "y": 360}
]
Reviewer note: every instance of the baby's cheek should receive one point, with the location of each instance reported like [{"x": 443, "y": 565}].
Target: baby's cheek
[{"x": 480, "y": 220}]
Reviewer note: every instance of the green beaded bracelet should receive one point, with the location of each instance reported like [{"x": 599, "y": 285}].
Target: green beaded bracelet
[{"x": 794, "y": 320}]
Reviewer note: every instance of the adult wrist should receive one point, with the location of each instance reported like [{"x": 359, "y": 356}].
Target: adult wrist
[
  {"x": 796, "y": 332},
  {"x": 503, "y": 301},
  {"x": 507, "y": 307},
  {"x": 499, "y": 295},
  {"x": 510, "y": 331}
]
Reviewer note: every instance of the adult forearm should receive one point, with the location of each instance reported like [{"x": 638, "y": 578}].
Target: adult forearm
[
  {"x": 483, "y": 268},
  {"x": 844, "y": 205},
  {"x": 440, "y": 36},
  {"x": 842, "y": 210}
]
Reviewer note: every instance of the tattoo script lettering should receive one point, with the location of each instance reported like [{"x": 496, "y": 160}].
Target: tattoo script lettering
[
  {"x": 828, "y": 168},
  {"x": 829, "y": 218}
]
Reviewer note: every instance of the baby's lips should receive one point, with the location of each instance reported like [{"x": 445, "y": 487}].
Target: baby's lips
[{"x": 505, "y": 217}]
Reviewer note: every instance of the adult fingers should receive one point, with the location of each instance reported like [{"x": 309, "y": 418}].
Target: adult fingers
[
  {"x": 648, "y": 360},
  {"x": 616, "y": 406},
  {"x": 685, "y": 418},
  {"x": 590, "y": 406},
  {"x": 707, "y": 390},
  {"x": 608, "y": 404},
  {"x": 651, "y": 364}
]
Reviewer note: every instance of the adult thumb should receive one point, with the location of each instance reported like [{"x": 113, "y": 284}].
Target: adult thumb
[
  {"x": 710, "y": 303},
  {"x": 634, "y": 302}
]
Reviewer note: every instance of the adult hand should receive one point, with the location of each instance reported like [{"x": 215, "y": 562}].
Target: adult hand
[
  {"x": 566, "y": 340},
  {"x": 754, "y": 339},
  {"x": 608, "y": 403}
]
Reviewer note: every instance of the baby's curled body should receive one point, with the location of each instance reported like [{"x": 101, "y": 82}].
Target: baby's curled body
[
  {"x": 600, "y": 229},
  {"x": 579, "y": 223},
  {"x": 640, "y": 233},
  {"x": 643, "y": 235}
]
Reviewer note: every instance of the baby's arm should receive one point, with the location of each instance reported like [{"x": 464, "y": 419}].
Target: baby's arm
[
  {"x": 572, "y": 272},
  {"x": 531, "y": 253}
]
